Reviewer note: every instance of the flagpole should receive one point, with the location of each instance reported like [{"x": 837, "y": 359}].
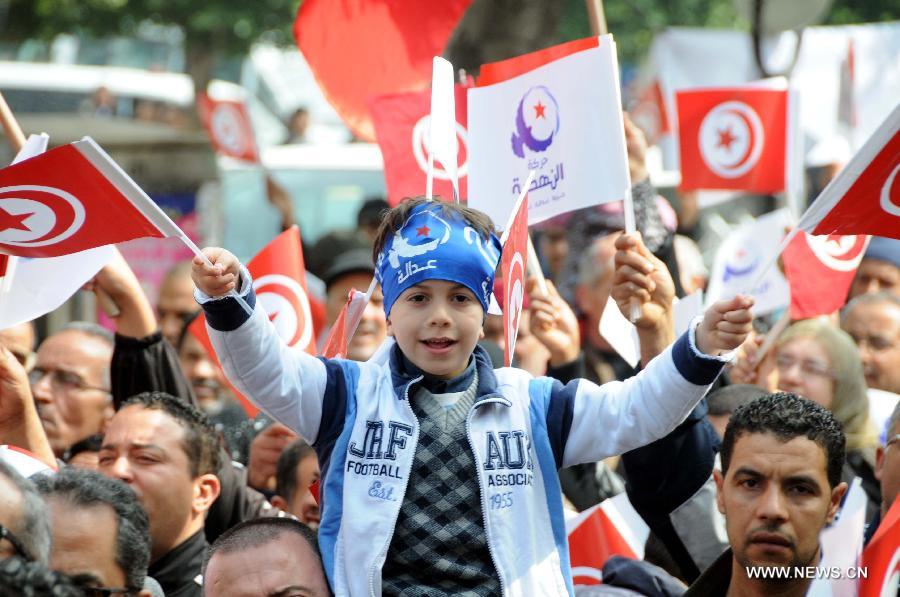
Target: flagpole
[
  {"x": 762, "y": 273},
  {"x": 429, "y": 179},
  {"x": 16, "y": 138},
  {"x": 596, "y": 17}
]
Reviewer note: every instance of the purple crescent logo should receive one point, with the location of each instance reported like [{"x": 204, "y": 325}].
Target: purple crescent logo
[
  {"x": 537, "y": 121},
  {"x": 743, "y": 263}
]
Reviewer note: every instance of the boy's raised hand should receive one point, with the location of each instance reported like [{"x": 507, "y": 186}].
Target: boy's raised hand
[
  {"x": 219, "y": 278},
  {"x": 725, "y": 326}
]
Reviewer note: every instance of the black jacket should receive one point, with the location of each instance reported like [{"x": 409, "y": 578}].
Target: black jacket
[{"x": 178, "y": 571}]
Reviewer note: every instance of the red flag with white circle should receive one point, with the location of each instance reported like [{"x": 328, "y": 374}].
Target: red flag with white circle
[
  {"x": 73, "y": 198},
  {"x": 512, "y": 265},
  {"x": 819, "y": 270},
  {"x": 401, "y": 127},
  {"x": 228, "y": 124},
  {"x": 360, "y": 50},
  {"x": 864, "y": 198},
  {"x": 733, "y": 138},
  {"x": 279, "y": 281}
]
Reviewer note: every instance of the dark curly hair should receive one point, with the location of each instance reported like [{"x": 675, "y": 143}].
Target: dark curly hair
[
  {"x": 80, "y": 488},
  {"x": 394, "y": 219},
  {"x": 201, "y": 440},
  {"x": 786, "y": 416}
]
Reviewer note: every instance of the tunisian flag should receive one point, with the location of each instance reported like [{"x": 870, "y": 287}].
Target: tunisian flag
[
  {"x": 228, "y": 124},
  {"x": 365, "y": 48},
  {"x": 279, "y": 280},
  {"x": 611, "y": 528},
  {"x": 73, "y": 198},
  {"x": 819, "y": 270},
  {"x": 345, "y": 326},
  {"x": 733, "y": 138},
  {"x": 864, "y": 198},
  {"x": 401, "y": 127},
  {"x": 512, "y": 264},
  {"x": 882, "y": 557}
]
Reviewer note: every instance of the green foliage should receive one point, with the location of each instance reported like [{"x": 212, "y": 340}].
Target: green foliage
[
  {"x": 226, "y": 26},
  {"x": 633, "y": 23}
]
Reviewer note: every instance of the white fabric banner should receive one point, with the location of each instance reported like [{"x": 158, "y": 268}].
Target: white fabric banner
[
  {"x": 563, "y": 120},
  {"x": 740, "y": 257}
]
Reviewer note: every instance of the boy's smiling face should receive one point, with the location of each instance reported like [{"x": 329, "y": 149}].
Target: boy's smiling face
[{"x": 437, "y": 325}]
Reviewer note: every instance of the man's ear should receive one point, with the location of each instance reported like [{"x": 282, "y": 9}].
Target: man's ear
[
  {"x": 837, "y": 494},
  {"x": 879, "y": 462},
  {"x": 719, "y": 478},
  {"x": 390, "y": 327},
  {"x": 280, "y": 503},
  {"x": 206, "y": 490}
]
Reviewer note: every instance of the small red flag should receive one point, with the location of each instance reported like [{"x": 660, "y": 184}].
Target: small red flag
[
  {"x": 279, "y": 280},
  {"x": 598, "y": 534},
  {"x": 819, "y": 270},
  {"x": 228, "y": 124},
  {"x": 363, "y": 49},
  {"x": 74, "y": 198},
  {"x": 344, "y": 326},
  {"x": 401, "y": 126},
  {"x": 864, "y": 198},
  {"x": 512, "y": 265},
  {"x": 881, "y": 558},
  {"x": 733, "y": 138}
]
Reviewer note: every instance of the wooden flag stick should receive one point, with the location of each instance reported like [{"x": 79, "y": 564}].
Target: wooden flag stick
[
  {"x": 596, "y": 17},
  {"x": 16, "y": 139},
  {"x": 534, "y": 268}
]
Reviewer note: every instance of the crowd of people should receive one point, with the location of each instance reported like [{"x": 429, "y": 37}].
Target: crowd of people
[{"x": 427, "y": 468}]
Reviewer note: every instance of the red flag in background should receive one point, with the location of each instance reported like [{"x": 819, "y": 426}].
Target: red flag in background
[
  {"x": 401, "y": 126},
  {"x": 228, "y": 124},
  {"x": 733, "y": 138},
  {"x": 279, "y": 280},
  {"x": 512, "y": 265},
  {"x": 649, "y": 112},
  {"x": 819, "y": 270},
  {"x": 881, "y": 558},
  {"x": 601, "y": 532},
  {"x": 344, "y": 326},
  {"x": 864, "y": 198},
  {"x": 366, "y": 48},
  {"x": 73, "y": 198}
]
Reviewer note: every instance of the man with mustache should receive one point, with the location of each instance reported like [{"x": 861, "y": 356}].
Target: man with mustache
[{"x": 779, "y": 486}]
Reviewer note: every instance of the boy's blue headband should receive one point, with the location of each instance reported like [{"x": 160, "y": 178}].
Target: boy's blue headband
[{"x": 433, "y": 245}]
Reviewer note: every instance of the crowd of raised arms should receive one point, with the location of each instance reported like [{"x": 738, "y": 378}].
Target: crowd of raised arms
[{"x": 418, "y": 465}]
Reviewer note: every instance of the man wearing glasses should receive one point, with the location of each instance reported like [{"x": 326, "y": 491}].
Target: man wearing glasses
[
  {"x": 70, "y": 383},
  {"x": 24, "y": 526}
]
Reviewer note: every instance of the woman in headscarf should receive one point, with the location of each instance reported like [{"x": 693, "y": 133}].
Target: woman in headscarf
[{"x": 821, "y": 362}]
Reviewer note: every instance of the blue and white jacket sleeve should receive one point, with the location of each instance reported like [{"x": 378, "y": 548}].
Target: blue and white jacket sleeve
[
  {"x": 587, "y": 422},
  {"x": 289, "y": 385}
]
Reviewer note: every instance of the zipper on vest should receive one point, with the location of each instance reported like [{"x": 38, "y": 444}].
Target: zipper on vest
[
  {"x": 484, "y": 515},
  {"x": 415, "y": 445}
]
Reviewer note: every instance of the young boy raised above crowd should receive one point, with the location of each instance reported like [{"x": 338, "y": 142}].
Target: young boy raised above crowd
[{"x": 438, "y": 471}]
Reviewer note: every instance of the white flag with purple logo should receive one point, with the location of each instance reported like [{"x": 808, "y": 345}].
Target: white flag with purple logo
[
  {"x": 559, "y": 116},
  {"x": 741, "y": 257}
]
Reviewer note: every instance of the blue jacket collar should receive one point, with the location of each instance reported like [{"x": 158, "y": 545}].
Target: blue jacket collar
[{"x": 403, "y": 379}]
